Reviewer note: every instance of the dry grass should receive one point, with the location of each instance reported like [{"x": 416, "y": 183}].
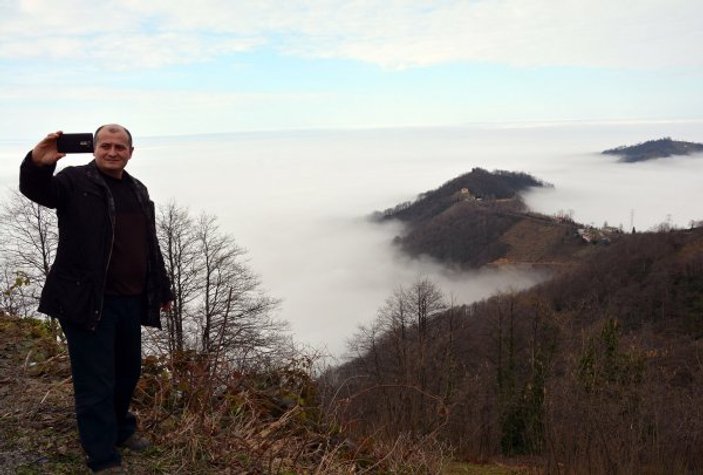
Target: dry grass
[
  {"x": 37, "y": 429},
  {"x": 269, "y": 422},
  {"x": 231, "y": 423}
]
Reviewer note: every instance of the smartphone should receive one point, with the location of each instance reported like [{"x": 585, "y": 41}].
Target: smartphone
[{"x": 75, "y": 143}]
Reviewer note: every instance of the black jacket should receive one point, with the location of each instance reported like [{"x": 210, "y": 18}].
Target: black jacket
[{"x": 74, "y": 288}]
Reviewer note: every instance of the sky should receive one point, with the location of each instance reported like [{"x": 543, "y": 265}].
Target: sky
[{"x": 212, "y": 66}]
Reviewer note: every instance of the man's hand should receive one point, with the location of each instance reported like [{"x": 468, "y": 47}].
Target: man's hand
[{"x": 45, "y": 152}]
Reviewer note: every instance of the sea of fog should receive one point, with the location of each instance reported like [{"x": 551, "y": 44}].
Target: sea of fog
[{"x": 297, "y": 201}]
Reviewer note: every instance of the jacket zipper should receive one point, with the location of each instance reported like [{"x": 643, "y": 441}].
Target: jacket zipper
[{"x": 111, "y": 217}]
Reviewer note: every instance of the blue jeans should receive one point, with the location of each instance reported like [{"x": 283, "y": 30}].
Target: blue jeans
[{"x": 106, "y": 364}]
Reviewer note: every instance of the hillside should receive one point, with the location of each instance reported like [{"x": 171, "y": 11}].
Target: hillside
[
  {"x": 267, "y": 423},
  {"x": 477, "y": 185},
  {"x": 264, "y": 423},
  {"x": 597, "y": 371},
  {"x": 652, "y": 149},
  {"x": 479, "y": 218}
]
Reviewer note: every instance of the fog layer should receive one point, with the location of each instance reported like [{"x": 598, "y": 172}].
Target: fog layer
[{"x": 297, "y": 201}]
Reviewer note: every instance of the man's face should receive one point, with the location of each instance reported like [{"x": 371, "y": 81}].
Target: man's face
[{"x": 112, "y": 151}]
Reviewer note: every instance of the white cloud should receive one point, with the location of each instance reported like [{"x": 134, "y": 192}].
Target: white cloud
[{"x": 594, "y": 33}]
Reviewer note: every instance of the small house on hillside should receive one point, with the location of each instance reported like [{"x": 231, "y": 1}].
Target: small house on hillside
[
  {"x": 466, "y": 195},
  {"x": 597, "y": 236}
]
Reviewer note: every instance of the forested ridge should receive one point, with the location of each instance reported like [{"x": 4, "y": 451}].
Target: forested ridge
[
  {"x": 479, "y": 218},
  {"x": 599, "y": 370},
  {"x": 651, "y": 149},
  {"x": 478, "y": 184}
]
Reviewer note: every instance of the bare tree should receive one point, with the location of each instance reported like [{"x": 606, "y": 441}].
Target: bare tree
[
  {"x": 30, "y": 234},
  {"x": 396, "y": 383},
  {"x": 28, "y": 240},
  {"x": 219, "y": 309},
  {"x": 235, "y": 316},
  {"x": 175, "y": 229}
]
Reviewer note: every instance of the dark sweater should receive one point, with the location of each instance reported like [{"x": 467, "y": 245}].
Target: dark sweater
[{"x": 126, "y": 273}]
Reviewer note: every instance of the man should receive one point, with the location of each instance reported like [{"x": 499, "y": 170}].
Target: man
[{"x": 108, "y": 278}]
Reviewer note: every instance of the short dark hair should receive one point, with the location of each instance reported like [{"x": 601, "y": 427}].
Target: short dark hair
[{"x": 110, "y": 126}]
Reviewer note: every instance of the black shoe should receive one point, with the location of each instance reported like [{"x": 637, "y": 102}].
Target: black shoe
[{"x": 136, "y": 443}]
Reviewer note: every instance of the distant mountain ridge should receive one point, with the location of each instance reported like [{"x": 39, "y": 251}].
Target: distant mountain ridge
[
  {"x": 479, "y": 218},
  {"x": 479, "y": 185},
  {"x": 652, "y": 149}
]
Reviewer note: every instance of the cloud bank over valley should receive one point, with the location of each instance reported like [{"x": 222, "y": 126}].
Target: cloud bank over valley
[{"x": 298, "y": 201}]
